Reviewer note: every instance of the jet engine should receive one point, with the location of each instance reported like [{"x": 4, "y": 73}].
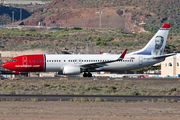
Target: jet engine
[
  {"x": 16, "y": 72},
  {"x": 71, "y": 70}
]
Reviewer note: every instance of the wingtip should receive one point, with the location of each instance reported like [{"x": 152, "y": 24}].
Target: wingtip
[{"x": 166, "y": 26}]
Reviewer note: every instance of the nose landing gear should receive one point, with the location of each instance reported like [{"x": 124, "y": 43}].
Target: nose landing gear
[{"x": 87, "y": 74}]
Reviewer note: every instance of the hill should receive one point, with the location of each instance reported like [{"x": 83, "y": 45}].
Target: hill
[
  {"x": 27, "y": 10},
  {"x": 116, "y": 14}
]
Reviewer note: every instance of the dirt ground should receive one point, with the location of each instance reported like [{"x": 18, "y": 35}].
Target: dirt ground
[{"x": 61, "y": 110}]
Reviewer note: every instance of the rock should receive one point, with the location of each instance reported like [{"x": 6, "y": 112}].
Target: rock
[
  {"x": 173, "y": 89},
  {"x": 64, "y": 48}
]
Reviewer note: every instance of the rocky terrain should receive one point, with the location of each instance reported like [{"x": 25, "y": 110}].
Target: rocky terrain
[{"x": 116, "y": 14}]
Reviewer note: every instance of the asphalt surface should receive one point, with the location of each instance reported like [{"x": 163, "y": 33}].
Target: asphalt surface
[{"x": 6, "y": 97}]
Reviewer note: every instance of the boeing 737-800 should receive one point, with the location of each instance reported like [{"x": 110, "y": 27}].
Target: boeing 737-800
[{"x": 86, "y": 63}]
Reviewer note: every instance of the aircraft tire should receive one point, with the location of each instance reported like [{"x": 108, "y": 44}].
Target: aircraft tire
[
  {"x": 89, "y": 75},
  {"x": 85, "y": 75}
]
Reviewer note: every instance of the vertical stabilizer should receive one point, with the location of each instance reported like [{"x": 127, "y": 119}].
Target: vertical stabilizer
[{"x": 157, "y": 43}]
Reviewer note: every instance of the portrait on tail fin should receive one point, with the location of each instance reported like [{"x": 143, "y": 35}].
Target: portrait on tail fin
[{"x": 159, "y": 40}]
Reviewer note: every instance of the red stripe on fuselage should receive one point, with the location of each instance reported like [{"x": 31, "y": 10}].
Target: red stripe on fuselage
[{"x": 26, "y": 63}]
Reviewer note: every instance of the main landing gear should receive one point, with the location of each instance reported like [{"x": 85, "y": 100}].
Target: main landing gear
[{"x": 87, "y": 74}]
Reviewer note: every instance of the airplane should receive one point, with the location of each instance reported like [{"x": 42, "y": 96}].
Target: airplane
[{"x": 73, "y": 64}]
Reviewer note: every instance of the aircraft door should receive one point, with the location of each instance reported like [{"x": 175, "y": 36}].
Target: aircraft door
[
  {"x": 140, "y": 61},
  {"x": 24, "y": 60}
]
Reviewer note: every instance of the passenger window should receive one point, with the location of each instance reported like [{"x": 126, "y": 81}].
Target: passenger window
[
  {"x": 64, "y": 60},
  {"x": 59, "y": 60}
]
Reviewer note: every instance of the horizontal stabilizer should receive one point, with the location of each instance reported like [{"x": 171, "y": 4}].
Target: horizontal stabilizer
[{"x": 164, "y": 56}]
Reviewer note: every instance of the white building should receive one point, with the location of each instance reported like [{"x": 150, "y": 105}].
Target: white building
[{"x": 171, "y": 66}]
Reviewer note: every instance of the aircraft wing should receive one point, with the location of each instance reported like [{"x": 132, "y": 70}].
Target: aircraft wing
[
  {"x": 163, "y": 56},
  {"x": 101, "y": 64}
]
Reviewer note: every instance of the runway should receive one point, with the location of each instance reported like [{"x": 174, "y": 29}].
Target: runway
[
  {"x": 94, "y": 78},
  {"x": 7, "y": 97}
]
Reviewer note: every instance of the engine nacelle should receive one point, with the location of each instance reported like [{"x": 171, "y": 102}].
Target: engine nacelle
[
  {"x": 71, "y": 70},
  {"x": 16, "y": 72}
]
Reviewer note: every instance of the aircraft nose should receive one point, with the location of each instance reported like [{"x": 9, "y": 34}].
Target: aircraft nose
[{"x": 4, "y": 65}]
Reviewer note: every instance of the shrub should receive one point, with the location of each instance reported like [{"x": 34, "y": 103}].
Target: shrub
[
  {"x": 97, "y": 99},
  {"x": 75, "y": 99},
  {"x": 13, "y": 92},
  {"x": 101, "y": 43},
  {"x": 94, "y": 88},
  {"x": 88, "y": 88},
  {"x": 134, "y": 93},
  {"x": 115, "y": 44},
  {"x": 76, "y": 28}
]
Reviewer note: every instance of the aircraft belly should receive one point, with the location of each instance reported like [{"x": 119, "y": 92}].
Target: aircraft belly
[
  {"x": 53, "y": 67},
  {"x": 117, "y": 67}
]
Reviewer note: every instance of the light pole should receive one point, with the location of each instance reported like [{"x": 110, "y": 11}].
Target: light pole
[
  {"x": 100, "y": 12},
  {"x": 60, "y": 23},
  {"x": 20, "y": 14},
  {"x": 12, "y": 16},
  {"x": 87, "y": 42},
  {"x": 100, "y": 19}
]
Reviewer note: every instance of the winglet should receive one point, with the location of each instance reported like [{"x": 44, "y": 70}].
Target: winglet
[
  {"x": 166, "y": 26},
  {"x": 123, "y": 54}
]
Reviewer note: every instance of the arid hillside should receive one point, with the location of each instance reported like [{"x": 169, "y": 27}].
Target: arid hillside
[{"x": 116, "y": 14}]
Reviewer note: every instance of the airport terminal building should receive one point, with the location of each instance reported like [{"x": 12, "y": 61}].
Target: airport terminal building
[{"x": 171, "y": 66}]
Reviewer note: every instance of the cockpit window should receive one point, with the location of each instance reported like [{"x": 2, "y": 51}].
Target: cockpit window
[{"x": 12, "y": 60}]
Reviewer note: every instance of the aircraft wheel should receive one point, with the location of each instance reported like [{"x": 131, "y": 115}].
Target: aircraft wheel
[
  {"x": 85, "y": 75},
  {"x": 89, "y": 75}
]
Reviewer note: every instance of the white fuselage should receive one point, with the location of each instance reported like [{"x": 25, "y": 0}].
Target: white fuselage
[{"x": 57, "y": 62}]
